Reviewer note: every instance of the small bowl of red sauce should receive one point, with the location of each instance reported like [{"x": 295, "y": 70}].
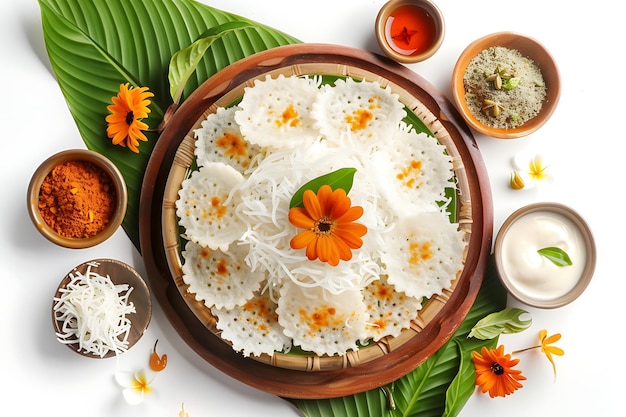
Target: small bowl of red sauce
[{"x": 410, "y": 31}]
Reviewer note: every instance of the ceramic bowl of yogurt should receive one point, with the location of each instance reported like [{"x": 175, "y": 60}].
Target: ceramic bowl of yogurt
[{"x": 545, "y": 255}]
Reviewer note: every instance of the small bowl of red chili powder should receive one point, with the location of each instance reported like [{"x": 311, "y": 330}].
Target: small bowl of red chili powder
[
  {"x": 77, "y": 198},
  {"x": 410, "y": 31}
]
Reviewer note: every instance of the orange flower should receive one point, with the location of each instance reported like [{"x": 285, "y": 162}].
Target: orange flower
[
  {"x": 495, "y": 373},
  {"x": 124, "y": 124},
  {"x": 328, "y": 218}
]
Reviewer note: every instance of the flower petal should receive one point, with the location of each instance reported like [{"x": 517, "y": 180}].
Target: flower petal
[
  {"x": 351, "y": 234},
  {"x": 325, "y": 199},
  {"x": 133, "y": 396},
  {"x": 350, "y": 215},
  {"x": 312, "y": 204},
  {"x": 339, "y": 203},
  {"x": 299, "y": 217},
  {"x": 303, "y": 239},
  {"x": 125, "y": 379}
]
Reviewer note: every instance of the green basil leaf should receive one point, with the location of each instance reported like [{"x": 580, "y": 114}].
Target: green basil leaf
[
  {"x": 185, "y": 61},
  {"x": 342, "y": 178},
  {"x": 506, "y": 321},
  {"x": 557, "y": 255}
]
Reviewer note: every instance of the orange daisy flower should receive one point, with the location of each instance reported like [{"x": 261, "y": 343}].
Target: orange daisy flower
[
  {"x": 124, "y": 124},
  {"x": 328, "y": 218},
  {"x": 495, "y": 373}
]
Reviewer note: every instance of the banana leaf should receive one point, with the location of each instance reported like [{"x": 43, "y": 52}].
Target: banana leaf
[{"x": 94, "y": 46}]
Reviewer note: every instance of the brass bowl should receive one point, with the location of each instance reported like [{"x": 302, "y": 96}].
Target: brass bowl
[
  {"x": 77, "y": 155},
  {"x": 529, "y": 48}
]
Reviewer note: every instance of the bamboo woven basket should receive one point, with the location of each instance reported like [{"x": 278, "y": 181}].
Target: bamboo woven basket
[
  {"x": 171, "y": 232},
  {"x": 312, "y": 376}
]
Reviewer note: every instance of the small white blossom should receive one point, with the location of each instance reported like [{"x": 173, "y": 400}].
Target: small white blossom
[
  {"x": 136, "y": 385},
  {"x": 529, "y": 170}
]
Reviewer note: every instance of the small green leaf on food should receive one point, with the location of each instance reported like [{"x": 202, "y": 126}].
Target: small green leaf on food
[
  {"x": 511, "y": 83},
  {"x": 342, "y": 178},
  {"x": 557, "y": 255},
  {"x": 508, "y": 320}
]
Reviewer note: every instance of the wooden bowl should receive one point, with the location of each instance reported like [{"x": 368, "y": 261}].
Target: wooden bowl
[
  {"x": 312, "y": 376},
  {"x": 120, "y": 273},
  {"x": 535, "y": 281},
  {"x": 422, "y": 33},
  {"x": 529, "y": 48},
  {"x": 73, "y": 155}
]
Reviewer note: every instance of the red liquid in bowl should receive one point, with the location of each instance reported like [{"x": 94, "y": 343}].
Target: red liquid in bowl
[{"x": 410, "y": 30}]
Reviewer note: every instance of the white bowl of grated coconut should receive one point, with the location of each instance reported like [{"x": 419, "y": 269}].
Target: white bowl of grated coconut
[{"x": 506, "y": 85}]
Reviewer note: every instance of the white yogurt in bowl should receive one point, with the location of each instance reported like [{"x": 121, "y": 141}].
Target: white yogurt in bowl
[{"x": 534, "y": 278}]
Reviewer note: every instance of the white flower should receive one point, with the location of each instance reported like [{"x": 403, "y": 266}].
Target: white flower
[
  {"x": 136, "y": 385},
  {"x": 529, "y": 170}
]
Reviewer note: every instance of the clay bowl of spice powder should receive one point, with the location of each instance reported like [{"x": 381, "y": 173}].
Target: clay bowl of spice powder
[
  {"x": 506, "y": 85},
  {"x": 77, "y": 198},
  {"x": 409, "y": 31}
]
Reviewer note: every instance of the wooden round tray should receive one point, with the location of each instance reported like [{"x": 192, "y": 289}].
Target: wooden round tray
[{"x": 313, "y": 377}]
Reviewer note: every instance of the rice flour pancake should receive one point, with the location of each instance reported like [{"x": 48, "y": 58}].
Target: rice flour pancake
[
  {"x": 220, "y": 279},
  {"x": 276, "y": 112},
  {"x": 322, "y": 322},
  {"x": 423, "y": 254},
  {"x": 389, "y": 311},
  {"x": 205, "y": 209},
  {"x": 252, "y": 328},
  {"x": 361, "y": 109},
  {"x": 219, "y": 139},
  {"x": 417, "y": 171}
]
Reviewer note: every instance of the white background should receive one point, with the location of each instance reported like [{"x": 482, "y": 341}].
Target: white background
[{"x": 585, "y": 140}]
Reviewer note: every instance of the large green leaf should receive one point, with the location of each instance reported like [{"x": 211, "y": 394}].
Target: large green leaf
[
  {"x": 438, "y": 387},
  {"x": 94, "y": 46}
]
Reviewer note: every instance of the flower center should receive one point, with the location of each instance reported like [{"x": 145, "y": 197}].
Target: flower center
[
  {"x": 323, "y": 226},
  {"x": 130, "y": 118},
  {"x": 497, "y": 369}
]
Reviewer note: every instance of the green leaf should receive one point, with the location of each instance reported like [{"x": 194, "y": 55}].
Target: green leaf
[
  {"x": 184, "y": 62},
  {"x": 94, "y": 46},
  {"x": 506, "y": 321},
  {"x": 440, "y": 385},
  {"x": 511, "y": 83},
  {"x": 463, "y": 384},
  {"x": 557, "y": 255},
  {"x": 342, "y": 178}
]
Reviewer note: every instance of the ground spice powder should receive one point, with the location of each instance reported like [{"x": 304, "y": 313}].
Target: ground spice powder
[
  {"x": 77, "y": 199},
  {"x": 516, "y": 105}
]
